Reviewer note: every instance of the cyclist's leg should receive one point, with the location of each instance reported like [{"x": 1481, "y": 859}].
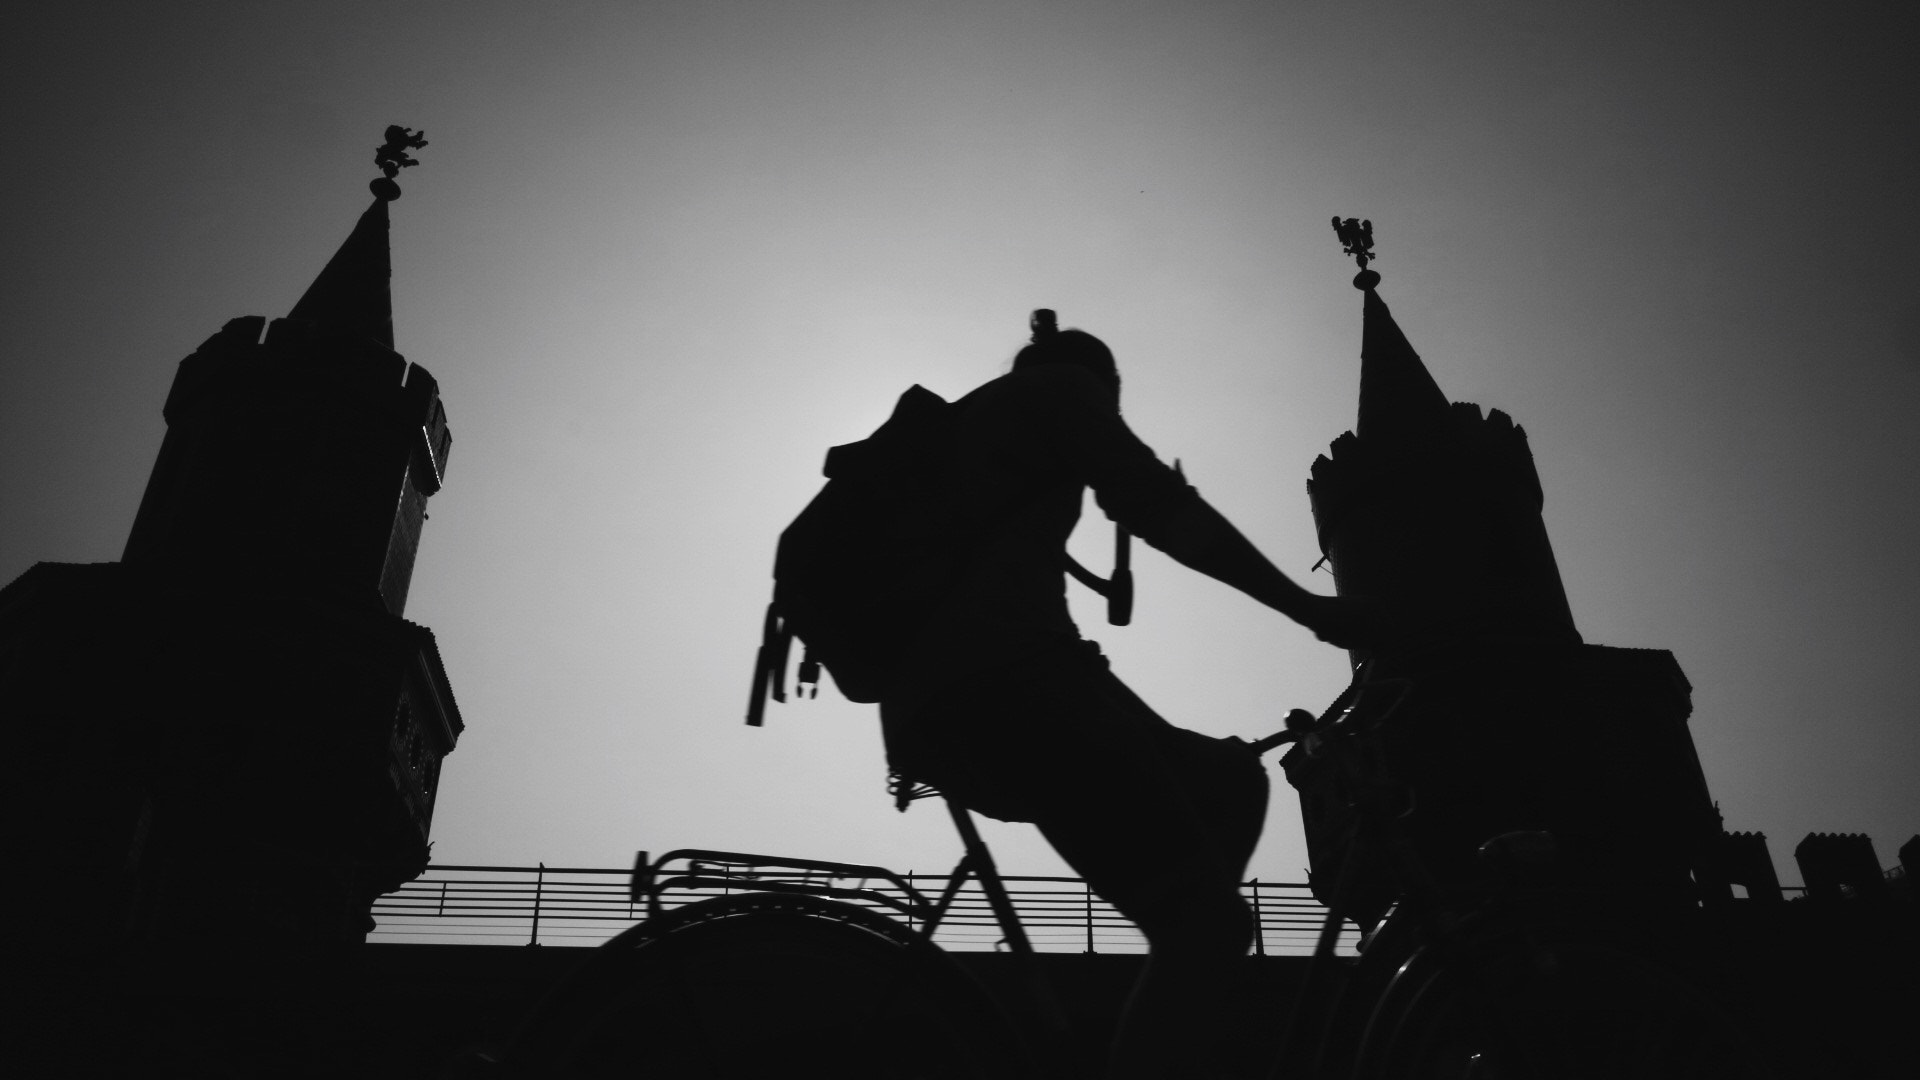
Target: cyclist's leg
[
  {"x": 1198, "y": 932},
  {"x": 1161, "y": 822}
]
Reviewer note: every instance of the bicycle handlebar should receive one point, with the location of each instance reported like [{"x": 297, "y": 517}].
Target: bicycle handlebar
[{"x": 1302, "y": 725}]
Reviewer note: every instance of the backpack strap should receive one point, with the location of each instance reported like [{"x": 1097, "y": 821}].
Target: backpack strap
[{"x": 1118, "y": 589}]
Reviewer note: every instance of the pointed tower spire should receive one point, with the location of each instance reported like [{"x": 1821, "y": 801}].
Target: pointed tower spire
[
  {"x": 353, "y": 296},
  {"x": 352, "y": 299},
  {"x": 1399, "y": 401}
]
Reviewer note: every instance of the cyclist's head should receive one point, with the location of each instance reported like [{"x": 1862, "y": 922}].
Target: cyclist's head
[{"x": 1052, "y": 345}]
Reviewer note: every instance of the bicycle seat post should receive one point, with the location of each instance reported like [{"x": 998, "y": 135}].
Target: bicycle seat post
[
  {"x": 990, "y": 883},
  {"x": 1041, "y": 997}
]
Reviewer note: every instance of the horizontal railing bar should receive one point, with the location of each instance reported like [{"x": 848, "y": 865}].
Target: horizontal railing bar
[
  {"x": 623, "y": 871},
  {"x": 627, "y": 872},
  {"x": 424, "y": 886},
  {"x": 970, "y": 911}
]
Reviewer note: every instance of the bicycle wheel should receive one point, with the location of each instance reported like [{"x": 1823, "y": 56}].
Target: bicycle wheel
[
  {"x": 763, "y": 984},
  {"x": 1518, "y": 1009}
]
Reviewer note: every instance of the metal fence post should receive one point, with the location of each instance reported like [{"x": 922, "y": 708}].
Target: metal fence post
[
  {"x": 539, "y": 877},
  {"x": 1259, "y": 922},
  {"x": 1089, "y": 889}
]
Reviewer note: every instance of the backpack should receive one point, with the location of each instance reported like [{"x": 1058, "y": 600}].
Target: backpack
[{"x": 857, "y": 572}]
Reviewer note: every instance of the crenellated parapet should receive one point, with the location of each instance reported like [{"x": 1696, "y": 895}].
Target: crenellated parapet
[{"x": 1839, "y": 865}]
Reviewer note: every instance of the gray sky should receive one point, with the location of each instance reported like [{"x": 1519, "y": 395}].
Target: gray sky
[{"x": 660, "y": 256}]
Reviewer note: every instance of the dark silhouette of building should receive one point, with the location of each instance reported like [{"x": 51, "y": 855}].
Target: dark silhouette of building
[
  {"x": 1431, "y": 512},
  {"x": 1512, "y": 724},
  {"x": 233, "y": 735},
  {"x": 1743, "y": 860},
  {"x": 1839, "y": 865}
]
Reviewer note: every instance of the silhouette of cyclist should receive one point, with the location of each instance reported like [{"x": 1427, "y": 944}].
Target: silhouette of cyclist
[{"x": 1009, "y": 711}]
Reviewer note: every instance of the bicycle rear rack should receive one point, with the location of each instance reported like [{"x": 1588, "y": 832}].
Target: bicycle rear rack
[{"x": 699, "y": 868}]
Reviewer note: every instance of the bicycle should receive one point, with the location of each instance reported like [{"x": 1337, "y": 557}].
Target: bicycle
[
  {"x": 1507, "y": 974},
  {"x": 1519, "y": 966}
]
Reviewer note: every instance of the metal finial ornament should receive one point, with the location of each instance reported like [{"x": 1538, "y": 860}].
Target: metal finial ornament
[
  {"x": 1356, "y": 239},
  {"x": 1044, "y": 324},
  {"x": 391, "y": 156}
]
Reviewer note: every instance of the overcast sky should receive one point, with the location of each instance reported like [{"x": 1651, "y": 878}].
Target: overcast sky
[{"x": 660, "y": 256}]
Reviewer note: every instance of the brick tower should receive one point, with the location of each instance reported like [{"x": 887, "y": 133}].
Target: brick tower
[
  {"x": 233, "y": 733},
  {"x": 1432, "y": 512}
]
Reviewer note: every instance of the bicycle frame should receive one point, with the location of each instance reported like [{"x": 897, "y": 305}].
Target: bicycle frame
[{"x": 1343, "y": 724}]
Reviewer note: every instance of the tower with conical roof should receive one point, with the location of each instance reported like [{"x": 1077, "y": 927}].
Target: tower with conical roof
[
  {"x": 233, "y": 734},
  {"x": 306, "y": 458},
  {"x": 1430, "y": 512},
  {"x": 1434, "y": 509}
]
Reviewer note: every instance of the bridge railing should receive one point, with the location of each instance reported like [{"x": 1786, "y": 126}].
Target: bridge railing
[{"x": 584, "y": 906}]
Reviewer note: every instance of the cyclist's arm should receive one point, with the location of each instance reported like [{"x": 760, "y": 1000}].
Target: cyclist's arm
[
  {"x": 1200, "y": 538},
  {"x": 1155, "y": 503}
]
